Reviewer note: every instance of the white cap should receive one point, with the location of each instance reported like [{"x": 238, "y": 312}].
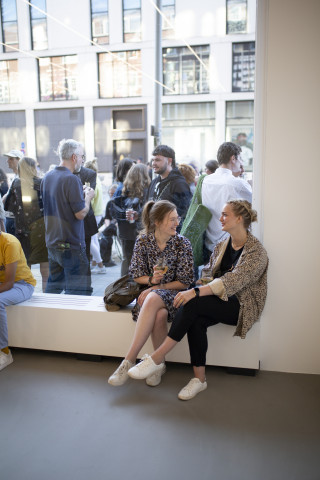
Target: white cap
[{"x": 14, "y": 154}]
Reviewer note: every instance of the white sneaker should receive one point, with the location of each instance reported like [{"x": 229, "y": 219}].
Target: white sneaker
[
  {"x": 5, "y": 359},
  {"x": 154, "y": 379},
  {"x": 120, "y": 376},
  {"x": 192, "y": 389},
  {"x": 98, "y": 269},
  {"x": 144, "y": 369}
]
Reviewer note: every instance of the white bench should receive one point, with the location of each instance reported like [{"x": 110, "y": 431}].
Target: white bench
[{"x": 78, "y": 324}]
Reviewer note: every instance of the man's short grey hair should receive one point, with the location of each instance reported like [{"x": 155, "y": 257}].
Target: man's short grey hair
[{"x": 67, "y": 148}]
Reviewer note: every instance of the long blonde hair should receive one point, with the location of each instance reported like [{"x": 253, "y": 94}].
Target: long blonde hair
[
  {"x": 27, "y": 168},
  {"x": 136, "y": 181}
]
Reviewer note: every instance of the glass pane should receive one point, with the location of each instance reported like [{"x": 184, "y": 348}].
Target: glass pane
[
  {"x": 39, "y": 34},
  {"x": 117, "y": 79},
  {"x": 10, "y": 35},
  {"x": 58, "y": 78},
  {"x": 243, "y": 67},
  {"x": 239, "y": 129},
  {"x": 99, "y": 6},
  {"x": 9, "y": 82},
  {"x": 236, "y": 16},
  {"x": 129, "y": 4},
  {"x": 182, "y": 71},
  {"x": 100, "y": 28},
  {"x": 132, "y": 25},
  {"x": 9, "y": 11},
  {"x": 36, "y": 13}
]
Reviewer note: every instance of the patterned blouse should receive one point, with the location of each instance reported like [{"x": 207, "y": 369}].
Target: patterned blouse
[
  {"x": 178, "y": 257},
  {"x": 248, "y": 281}
]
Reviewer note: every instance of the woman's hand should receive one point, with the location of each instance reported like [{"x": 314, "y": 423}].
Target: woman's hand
[
  {"x": 158, "y": 275},
  {"x": 143, "y": 295},
  {"x": 183, "y": 297}
]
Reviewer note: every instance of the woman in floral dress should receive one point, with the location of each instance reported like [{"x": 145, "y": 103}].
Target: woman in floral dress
[{"x": 163, "y": 261}]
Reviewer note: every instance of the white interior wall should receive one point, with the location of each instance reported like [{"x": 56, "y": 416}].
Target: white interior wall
[{"x": 289, "y": 176}]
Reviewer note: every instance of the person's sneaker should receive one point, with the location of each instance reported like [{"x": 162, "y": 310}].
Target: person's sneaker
[
  {"x": 144, "y": 369},
  {"x": 120, "y": 376},
  {"x": 192, "y": 389},
  {"x": 98, "y": 269},
  {"x": 155, "y": 379},
  {"x": 5, "y": 359}
]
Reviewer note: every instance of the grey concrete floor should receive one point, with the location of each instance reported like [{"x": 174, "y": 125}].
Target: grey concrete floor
[{"x": 61, "y": 420}]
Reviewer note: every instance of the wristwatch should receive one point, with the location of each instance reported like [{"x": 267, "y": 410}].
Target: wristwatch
[{"x": 197, "y": 291}]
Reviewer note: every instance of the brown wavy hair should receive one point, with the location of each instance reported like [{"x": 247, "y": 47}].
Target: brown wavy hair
[
  {"x": 155, "y": 212},
  {"x": 136, "y": 181}
]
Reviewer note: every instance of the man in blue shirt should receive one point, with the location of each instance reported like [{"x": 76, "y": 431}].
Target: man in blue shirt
[{"x": 66, "y": 203}]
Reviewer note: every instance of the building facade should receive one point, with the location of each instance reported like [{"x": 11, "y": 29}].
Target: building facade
[{"x": 86, "y": 69}]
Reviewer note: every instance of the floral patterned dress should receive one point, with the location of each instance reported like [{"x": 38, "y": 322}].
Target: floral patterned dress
[{"x": 179, "y": 259}]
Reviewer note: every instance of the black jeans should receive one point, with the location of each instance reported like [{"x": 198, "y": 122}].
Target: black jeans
[
  {"x": 196, "y": 316},
  {"x": 127, "y": 251}
]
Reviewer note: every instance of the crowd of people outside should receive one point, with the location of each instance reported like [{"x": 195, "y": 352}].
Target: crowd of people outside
[{"x": 61, "y": 221}]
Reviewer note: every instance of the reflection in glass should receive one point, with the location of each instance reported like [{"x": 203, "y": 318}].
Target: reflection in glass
[
  {"x": 9, "y": 25},
  {"x": 9, "y": 81},
  {"x": 182, "y": 71},
  {"x": 58, "y": 78},
  {"x": 100, "y": 21},
  {"x": 116, "y": 77},
  {"x": 39, "y": 25}
]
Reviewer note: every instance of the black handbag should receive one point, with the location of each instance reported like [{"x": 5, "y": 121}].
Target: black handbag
[{"x": 121, "y": 292}]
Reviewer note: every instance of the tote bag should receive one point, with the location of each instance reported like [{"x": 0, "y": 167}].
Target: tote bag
[{"x": 196, "y": 222}]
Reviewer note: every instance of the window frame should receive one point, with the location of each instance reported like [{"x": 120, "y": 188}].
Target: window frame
[
  {"x": 31, "y": 28},
  {"x": 50, "y": 58},
  {"x": 8, "y": 49},
  {"x": 99, "y": 55},
  {"x": 91, "y": 25},
  {"x": 124, "y": 33},
  {"x": 227, "y": 20},
  {"x": 240, "y": 63}
]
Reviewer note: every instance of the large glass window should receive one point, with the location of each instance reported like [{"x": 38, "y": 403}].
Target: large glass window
[
  {"x": 183, "y": 73},
  {"x": 168, "y": 9},
  {"x": 131, "y": 20},
  {"x": 243, "y": 67},
  {"x": 9, "y": 81},
  {"x": 239, "y": 128},
  {"x": 100, "y": 21},
  {"x": 116, "y": 78},
  {"x": 194, "y": 121},
  {"x": 9, "y": 25},
  {"x": 38, "y": 25},
  {"x": 236, "y": 16},
  {"x": 58, "y": 78}
]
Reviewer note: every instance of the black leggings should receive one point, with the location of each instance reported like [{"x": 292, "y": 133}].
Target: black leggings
[{"x": 196, "y": 316}]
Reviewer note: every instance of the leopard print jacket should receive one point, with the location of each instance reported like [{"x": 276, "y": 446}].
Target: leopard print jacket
[{"x": 248, "y": 281}]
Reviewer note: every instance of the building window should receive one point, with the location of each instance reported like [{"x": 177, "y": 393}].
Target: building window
[
  {"x": 239, "y": 128},
  {"x": 38, "y": 20},
  {"x": 100, "y": 21},
  {"x": 9, "y": 25},
  {"x": 131, "y": 20},
  {"x": 58, "y": 78},
  {"x": 169, "y": 11},
  {"x": 194, "y": 121},
  {"x": 182, "y": 71},
  {"x": 236, "y": 16},
  {"x": 243, "y": 67},
  {"x": 116, "y": 77},
  {"x": 9, "y": 81}
]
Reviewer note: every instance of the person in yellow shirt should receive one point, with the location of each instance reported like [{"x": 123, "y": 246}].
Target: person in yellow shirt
[{"x": 16, "y": 285}]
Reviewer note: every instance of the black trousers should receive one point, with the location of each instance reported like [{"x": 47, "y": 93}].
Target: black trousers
[{"x": 196, "y": 316}]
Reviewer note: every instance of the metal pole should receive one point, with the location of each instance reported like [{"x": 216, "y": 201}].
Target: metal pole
[{"x": 158, "y": 75}]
